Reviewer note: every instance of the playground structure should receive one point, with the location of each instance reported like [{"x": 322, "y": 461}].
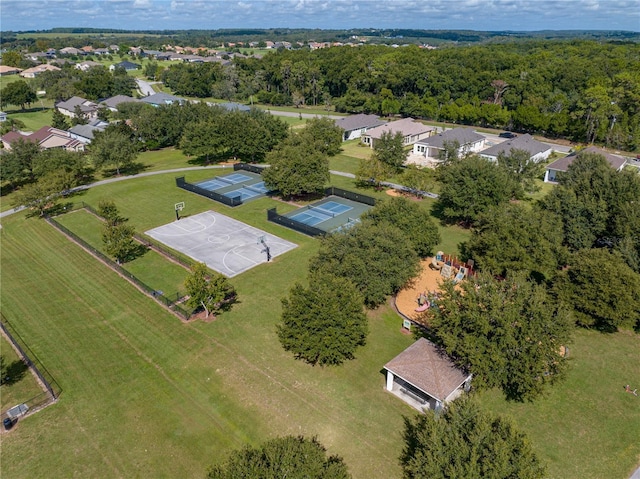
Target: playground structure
[{"x": 423, "y": 293}]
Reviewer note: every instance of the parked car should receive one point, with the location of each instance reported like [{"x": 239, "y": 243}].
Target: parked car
[
  {"x": 7, "y": 422},
  {"x": 507, "y": 134}
]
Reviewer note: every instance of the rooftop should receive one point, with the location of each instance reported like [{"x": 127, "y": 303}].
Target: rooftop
[
  {"x": 463, "y": 136},
  {"x": 362, "y": 120},
  {"x": 523, "y": 142},
  {"x": 406, "y": 126},
  {"x": 616, "y": 162}
]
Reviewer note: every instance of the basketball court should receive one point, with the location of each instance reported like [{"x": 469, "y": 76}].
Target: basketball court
[{"x": 222, "y": 243}]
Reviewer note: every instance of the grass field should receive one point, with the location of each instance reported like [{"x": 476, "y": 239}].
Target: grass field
[
  {"x": 587, "y": 426},
  {"x": 22, "y": 386},
  {"x": 145, "y": 395}
]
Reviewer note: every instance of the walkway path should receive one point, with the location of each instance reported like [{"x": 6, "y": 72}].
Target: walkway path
[{"x": 192, "y": 168}]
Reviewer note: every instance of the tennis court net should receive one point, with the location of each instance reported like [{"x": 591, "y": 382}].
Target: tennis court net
[
  {"x": 255, "y": 190},
  {"x": 225, "y": 180},
  {"x": 322, "y": 211}
]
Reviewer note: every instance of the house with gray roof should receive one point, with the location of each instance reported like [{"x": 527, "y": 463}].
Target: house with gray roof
[
  {"x": 355, "y": 125},
  {"x": 84, "y": 133},
  {"x": 469, "y": 141},
  {"x": 159, "y": 99},
  {"x": 113, "y": 102},
  {"x": 424, "y": 377},
  {"x": 88, "y": 108},
  {"x": 538, "y": 151},
  {"x": 411, "y": 130},
  {"x": 560, "y": 166},
  {"x": 128, "y": 66}
]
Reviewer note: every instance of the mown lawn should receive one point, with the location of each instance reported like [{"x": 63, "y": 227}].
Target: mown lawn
[
  {"x": 586, "y": 426},
  {"x": 146, "y": 395},
  {"x": 21, "y": 385},
  {"x": 152, "y": 268}
]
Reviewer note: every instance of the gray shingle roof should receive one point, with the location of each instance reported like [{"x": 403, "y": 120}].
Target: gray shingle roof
[
  {"x": 562, "y": 164},
  {"x": 114, "y": 101},
  {"x": 463, "y": 136},
  {"x": 356, "y": 122},
  {"x": 523, "y": 142},
  {"x": 422, "y": 365},
  {"x": 162, "y": 99},
  {"x": 74, "y": 101},
  {"x": 406, "y": 126}
]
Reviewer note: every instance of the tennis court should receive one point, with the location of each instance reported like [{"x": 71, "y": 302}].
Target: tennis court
[
  {"x": 222, "y": 243},
  {"x": 248, "y": 191},
  {"x": 315, "y": 214},
  {"x": 245, "y": 186}
]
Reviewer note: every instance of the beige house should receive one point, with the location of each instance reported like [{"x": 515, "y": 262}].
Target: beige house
[
  {"x": 412, "y": 131},
  {"x": 37, "y": 70},
  {"x": 424, "y": 377}
]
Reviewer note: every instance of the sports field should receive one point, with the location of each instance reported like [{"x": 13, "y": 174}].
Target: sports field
[{"x": 145, "y": 395}]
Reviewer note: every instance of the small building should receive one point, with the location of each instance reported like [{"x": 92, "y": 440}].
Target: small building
[
  {"x": 3, "y": 116},
  {"x": 411, "y": 130},
  {"x": 128, "y": 66},
  {"x": 159, "y": 99},
  {"x": 538, "y": 151},
  {"x": 113, "y": 102},
  {"x": 355, "y": 126},
  {"x": 424, "y": 377},
  {"x": 68, "y": 108},
  {"x": 7, "y": 70},
  {"x": 617, "y": 162},
  {"x": 37, "y": 70},
  {"x": 469, "y": 141}
]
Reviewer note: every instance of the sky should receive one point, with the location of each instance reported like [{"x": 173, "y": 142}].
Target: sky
[{"x": 481, "y": 15}]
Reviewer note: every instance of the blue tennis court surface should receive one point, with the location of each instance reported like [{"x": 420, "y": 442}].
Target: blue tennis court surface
[
  {"x": 314, "y": 215},
  {"x": 220, "y": 182},
  {"x": 248, "y": 191}
]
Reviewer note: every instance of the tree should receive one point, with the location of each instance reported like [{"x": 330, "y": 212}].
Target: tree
[
  {"x": 515, "y": 237},
  {"x": 389, "y": 149},
  {"x": 59, "y": 120},
  {"x": 601, "y": 290},
  {"x": 12, "y": 124},
  {"x": 79, "y": 117},
  {"x": 109, "y": 211},
  {"x": 119, "y": 242},
  {"x": 372, "y": 172},
  {"x": 111, "y": 147},
  {"x": 324, "y": 323},
  {"x": 211, "y": 291},
  {"x": 285, "y": 457},
  {"x": 12, "y": 59},
  {"x": 522, "y": 168},
  {"x": 201, "y": 139},
  {"x": 418, "y": 179},
  {"x": 378, "y": 259},
  {"x": 508, "y": 333},
  {"x": 415, "y": 222},
  {"x": 470, "y": 187},
  {"x": 18, "y": 93},
  {"x": 323, "y": 135},
  {"x": 17, "y": 165},
  {"x": 39, "y": 196},
  {"x": 466, "y": 441},
  {"x": 295, "y": 170}
]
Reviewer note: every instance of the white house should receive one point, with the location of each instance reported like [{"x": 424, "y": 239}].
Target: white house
[
  {"x": 562, "y": 165},
  {"x": 424, "y": 377},
  {"x": 469, "y": 141},
  {"x": 3, "y": 116},
  {"x": 84, "y": 133},
  {"x": 411, "y": 130},
  {"x": 355, "y": 126},
  {"x": 84, "y": 66},
  {"x": 538, "y": 151}
]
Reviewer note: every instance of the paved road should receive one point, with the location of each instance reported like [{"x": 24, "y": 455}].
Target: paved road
[
  {"x": 145, "y": 87},
  {"x": 293, "y": 114}
]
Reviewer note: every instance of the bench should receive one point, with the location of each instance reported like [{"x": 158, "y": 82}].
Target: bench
[{"x": 410, "y": 393}]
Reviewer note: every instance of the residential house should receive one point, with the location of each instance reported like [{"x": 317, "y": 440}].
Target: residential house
[
  {"x": 3, "y": 116},
  {"x": 84, "y": 133},
  {"x": 424, "y": 377},
  {"x": 101, "y": 51},
  {"x": 151, "y": 53},
  {"x": 88, "y": 108},
  {"x": 7, "y": 70},
  {"x": 538, "y": 151},
  {"x": 355, "y": 125},
  {"x": 71, "y": 51},
  {"x": 411, "y": 130},
  {"x": 469, "y": 141},
  {"x": 40, "y": 56},
  {"x": 84, "y": 66},
  {"x": 46, "y": 137},
  {"x": 113, "y": 102},
  {"x": 159, "y": 99},
  {"x": 114, "y": 48},
  {"x": 128, "y": 66},
  {"x": 35, "y": 71},
  {"x": 560, "y": 166},
  {"x": 87, "y": 49}
]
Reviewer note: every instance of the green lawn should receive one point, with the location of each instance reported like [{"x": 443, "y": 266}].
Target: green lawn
[
  {"x": 165, "y": 159},
  {"x": 33, "y": 119},
  {"x": 151, "y": 268},
  {"x": 146, "y": 395},
  {"x": 587, "y": 426},
  {"x": 22, "y": 385}
]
